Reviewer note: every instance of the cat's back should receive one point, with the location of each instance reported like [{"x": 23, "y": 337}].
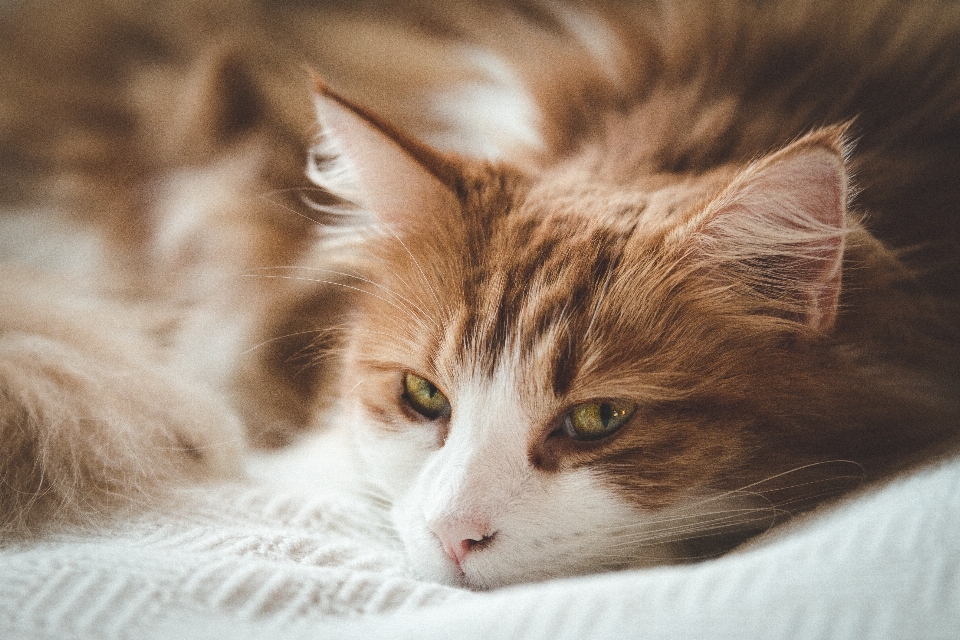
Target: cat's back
[{"x": 645, "y": 89}]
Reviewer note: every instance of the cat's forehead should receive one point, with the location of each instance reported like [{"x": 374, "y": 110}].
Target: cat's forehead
[
  {"x": 545, "y": 275},
  {"x": 643, "y": 202},
  {"x": 537, "y": 293},
  {"x": 532, "y": 305}
]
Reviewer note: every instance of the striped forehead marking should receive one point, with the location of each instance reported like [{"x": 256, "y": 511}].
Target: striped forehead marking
[{"x": 542, "y": 300}]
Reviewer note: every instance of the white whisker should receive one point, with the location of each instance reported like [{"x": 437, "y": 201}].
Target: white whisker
[
  {"x": 339, "y": 284},
  {"x": 426, "y": 280},
  {"x": 264, "y": 343},
  {"x": 732, "y": 492},
  {"x": 291, "y": 210},
  {"x": 404, "y": 299}
]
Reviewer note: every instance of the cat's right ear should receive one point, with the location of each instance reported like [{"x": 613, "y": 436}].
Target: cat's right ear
[
  {"x": 779, "y": 229},
  {"x": 364, "y": 160}
]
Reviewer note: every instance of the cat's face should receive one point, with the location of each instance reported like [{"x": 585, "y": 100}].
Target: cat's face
[
  {"x": 512, "y": 405},
  {"x": 550, "y": 376}
]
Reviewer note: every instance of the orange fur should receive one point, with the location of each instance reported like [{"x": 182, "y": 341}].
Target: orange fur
[{"x": 639, "y": 246}]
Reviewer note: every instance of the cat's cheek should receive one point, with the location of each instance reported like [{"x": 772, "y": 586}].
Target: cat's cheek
[
  {"x": 419, "y": 496},
  {"x": 391, "y": 459}
]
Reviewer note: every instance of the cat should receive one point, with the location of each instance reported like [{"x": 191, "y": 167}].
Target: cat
[{"x": 645, "y": 280}]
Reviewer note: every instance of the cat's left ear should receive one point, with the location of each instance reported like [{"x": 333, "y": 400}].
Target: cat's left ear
[
  {"x": 779, "y": 229},
  {"x": 365, "y": 160}
]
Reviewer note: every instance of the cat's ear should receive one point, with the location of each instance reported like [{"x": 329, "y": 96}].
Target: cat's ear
[
  {"x": 364, "y": 160},
  {"x": 779, "y": 228}
]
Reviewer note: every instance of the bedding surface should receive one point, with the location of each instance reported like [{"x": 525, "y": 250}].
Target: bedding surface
[{"x": 291, "y": 554}]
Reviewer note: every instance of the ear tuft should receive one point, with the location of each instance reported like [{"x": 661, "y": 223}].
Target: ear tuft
[{"x": 779, "y": 228}]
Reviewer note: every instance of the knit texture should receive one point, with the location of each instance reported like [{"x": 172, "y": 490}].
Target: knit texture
[{"x": 256, "y": 561}]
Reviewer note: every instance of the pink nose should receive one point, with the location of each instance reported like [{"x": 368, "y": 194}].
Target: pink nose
[{"x": 461, "y": 535}]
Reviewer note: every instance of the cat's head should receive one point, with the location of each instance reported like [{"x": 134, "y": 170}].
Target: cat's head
[{"x": 550, "y": 374}]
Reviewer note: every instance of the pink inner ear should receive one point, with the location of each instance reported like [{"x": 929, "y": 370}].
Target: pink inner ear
[
  {"x": 813, "y": 180},
  {"x": 389, "y": 181},
  {"x": 789, "y": 211},
  {"x": 819, "y": 180}
]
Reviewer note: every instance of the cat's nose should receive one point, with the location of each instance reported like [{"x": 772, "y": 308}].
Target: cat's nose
[{"x": 459, "y": 536}]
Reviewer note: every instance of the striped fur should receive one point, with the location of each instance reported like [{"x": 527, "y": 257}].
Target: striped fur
[{"x": 738, "y": 216}]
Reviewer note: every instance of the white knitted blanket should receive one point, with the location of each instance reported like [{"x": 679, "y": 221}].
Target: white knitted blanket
[{"x": 257, "y": 561}]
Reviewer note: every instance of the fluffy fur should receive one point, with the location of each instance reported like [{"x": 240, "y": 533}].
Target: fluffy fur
[{"x": 739, "y": 217}]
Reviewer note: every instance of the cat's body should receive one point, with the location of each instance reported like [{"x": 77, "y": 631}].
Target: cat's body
[{"x": 656, "y": 319}]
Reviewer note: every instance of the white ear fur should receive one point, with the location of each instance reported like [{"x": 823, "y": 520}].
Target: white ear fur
[
  {"x": 780, "y": 227},
  {"x": 358, "y": 159}
]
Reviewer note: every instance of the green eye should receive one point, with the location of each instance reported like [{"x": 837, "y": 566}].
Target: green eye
[
  {"x": 595, "y": 420},
  {"x": 424, "y": 397}
]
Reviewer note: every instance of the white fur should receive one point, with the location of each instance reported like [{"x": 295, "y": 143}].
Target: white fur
[
  {"x": 493, "y": 120},
  {"x": 544, "y": 524},
  {"x": 185, "y": 200},
  {"x": 48, "y": 240},
  {"x": 197, "y": 248},
  {"x": 330, "y": 168},
  {"x": 594, "y": 34}
]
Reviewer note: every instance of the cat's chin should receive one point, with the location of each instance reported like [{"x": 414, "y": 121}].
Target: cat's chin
[{"x": 476, "y": 573}]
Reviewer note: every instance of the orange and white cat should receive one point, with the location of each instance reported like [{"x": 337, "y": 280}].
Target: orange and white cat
[{"x": 632, "y": 284}]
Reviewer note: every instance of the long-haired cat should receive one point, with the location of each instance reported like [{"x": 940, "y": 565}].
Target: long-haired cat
[{"x": 622, "y": 284}]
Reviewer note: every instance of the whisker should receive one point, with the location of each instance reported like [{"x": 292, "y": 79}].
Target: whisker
[
  {"x": 406, "y": 300},
  {"x": 775, "y": 476},
  {"x": 429, "y": 284},
  {"x": 338, "y": 284},
  {"x": 343, "y": 211},
  {"x": 384, "y": 264},
  {"x": 264, "y": 343},
  {"x": 812, "y": 482},
  {"x": 285, "y": 207},
  {"x": 729, "y": 521},
  {"x": 690, "y": 524},
  {"x": 314, "y": 359}
]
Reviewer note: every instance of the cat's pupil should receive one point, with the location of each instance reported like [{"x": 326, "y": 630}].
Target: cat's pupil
[{"x": 606, "y": 412}]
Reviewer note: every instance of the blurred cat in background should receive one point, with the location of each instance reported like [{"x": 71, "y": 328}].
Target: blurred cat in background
[{"x": 590, "y": 285}]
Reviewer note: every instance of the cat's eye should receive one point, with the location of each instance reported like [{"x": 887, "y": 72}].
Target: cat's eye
[
  {"x": 597, "y": 419},
  {"x": 424, "y": 397}
]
